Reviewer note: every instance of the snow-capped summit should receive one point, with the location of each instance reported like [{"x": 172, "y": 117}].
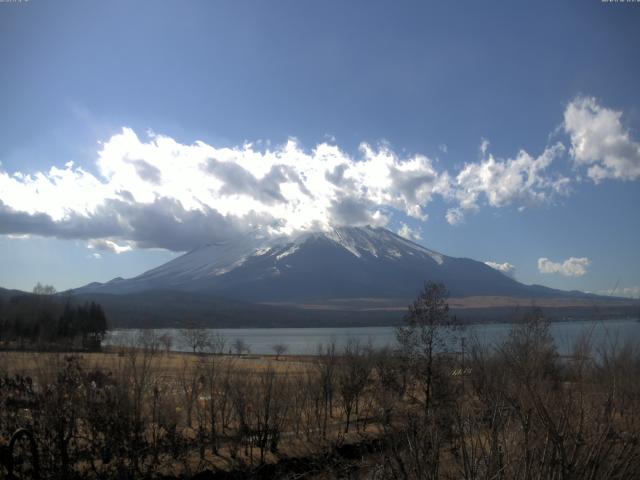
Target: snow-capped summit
[
  {"x": 376, "y": 242},
  {"x": 343, "y": 262}
]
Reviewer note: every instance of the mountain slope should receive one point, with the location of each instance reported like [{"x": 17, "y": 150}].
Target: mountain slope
[{"x": 341, "y": 263}]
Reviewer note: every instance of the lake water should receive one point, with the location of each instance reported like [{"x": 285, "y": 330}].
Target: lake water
[{"x": 306, "y": 340}]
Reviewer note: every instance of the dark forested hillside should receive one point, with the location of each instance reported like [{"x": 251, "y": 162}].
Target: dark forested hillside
[{"x": 45, "y": 319}]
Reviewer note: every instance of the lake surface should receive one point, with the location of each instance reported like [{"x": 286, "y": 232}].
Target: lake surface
[{"x": 306, "y": 340}]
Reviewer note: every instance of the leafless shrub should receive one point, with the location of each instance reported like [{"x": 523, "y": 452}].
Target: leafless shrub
[
  {"x": 216, "y": 343},
  {"x": 166, "y": 341},
  {"x": 149, "y": 341},
  {"x": 240, "y": 346},
  {"x": 353, "y": 377},
  {"x": 327, "y": 367},
  {"x": 213, "y": 401},
  {"x": 279, "y": 349}
]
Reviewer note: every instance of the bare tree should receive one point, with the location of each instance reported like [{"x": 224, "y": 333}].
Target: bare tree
[
  {"x": 148, "y": 340},
  {"x": 391, "y": 378},
  {"x": 41, "y": 289},
  {"x": 353, "y": 376},
  {"x": 279, "y": 349},
  {"x": 196, "y": 338},
  {"x": 191, "y": 383},
  {"x": 216, "y": 375},
  {"x": 138, "y": 371},
  {"x": 216, "y": 343},
  {"x": 530, "y": 350},
  {"x": 240, "y": 346},
  {"x": 167, "y": 342},
  {"x": 427, "y": 326},
  {"x": 269, "y": 406},
  {"x": 327, "y": 367}
]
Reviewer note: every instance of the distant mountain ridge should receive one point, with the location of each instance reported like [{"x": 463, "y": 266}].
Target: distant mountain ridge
[
  {"x": 342, "y": 263},
  {"x": 341, "y": 277}
]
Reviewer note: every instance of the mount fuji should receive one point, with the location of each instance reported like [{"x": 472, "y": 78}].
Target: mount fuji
[{"x": 341, "y": 263}]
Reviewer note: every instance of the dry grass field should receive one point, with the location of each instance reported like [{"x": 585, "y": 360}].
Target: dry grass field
[
  {"x": 242, "y": 404},
  {"x": 44, "y": 364}
]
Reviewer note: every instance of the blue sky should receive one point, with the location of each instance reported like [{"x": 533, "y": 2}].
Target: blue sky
[{"x": 125, "y": 89}]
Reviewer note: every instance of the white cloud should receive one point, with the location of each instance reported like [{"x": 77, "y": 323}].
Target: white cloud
[
  {"x": 409, "y": 233},
  {"x": 600, "y": 142},
  {"x": 108, "y": 246},
  {"x": 630, "y": 292},
  {"x": 484, "y": 146},
  {"x": 523, "y": 180},
  {"x": 455, "y": 216},
  {"x": 573, "y": 267},
  {"x": 633, "y": 292},
  {"x": 157, "y": 192},
  {"x": 506, "y": 268}
]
